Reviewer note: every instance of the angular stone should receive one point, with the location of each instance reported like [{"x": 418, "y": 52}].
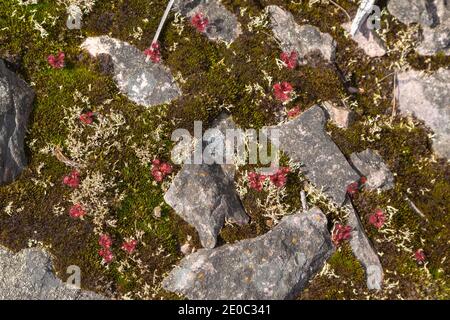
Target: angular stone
[
  {"x": 411, "y": 11},
  {"x": 145, "y": 83},
  {"x": 437, "y": 38},
  {"x": 304, "y": 140},
  {"x": 341, "y": 116},
  {"x": 363, "y": 250},
  {"x": 370, "y": 164},
  {"x": 427, "y": 97},
  {"x": 27, "y": 275},
  {"x": 306, "y": 39},
  {"x": 276, "y": 265},
  {"x": 203, "y": 196},
  {"x": 367, "y": 40},
  {"x": 222, "y": 24},
  {"x": 16, "y": 102}
]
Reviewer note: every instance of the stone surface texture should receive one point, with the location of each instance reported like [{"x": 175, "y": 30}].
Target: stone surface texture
[
  {"x": 28, "y": 275},
  {"x": 370, "y": 164},
  {"x": 222, "y": 24},
  {"x": 143, "y": 82},
  {"x": 428, "y": 98},
  {"x": 307, "y": 40},
  {"x": 276, "y": 265},
  {"x": 16, "y": 103}
]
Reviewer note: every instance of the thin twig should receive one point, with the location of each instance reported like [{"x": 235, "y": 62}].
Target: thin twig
[
  {"x": 394, "y": 99},
  {"x": 161, "y": 24},
  {"x": 62, "y": 158},
  {"x": 345, "y": 11},
  {"x": 163, "y": 20},
  {"x": 415, "y": 209},
  {"x": 303, "y": 199},
  {"x": 385, "y": 77}
]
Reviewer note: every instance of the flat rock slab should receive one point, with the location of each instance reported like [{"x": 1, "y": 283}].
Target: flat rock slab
[
  {"x": 16, "y": 102},
  {"x": 145, "y": 83},
  {"x": 363, "y": 250},
  {"x": 27, "y": 275},
  {"x": 222, "y": 24},
  {"x": 428, "y": 98},
  {"x": 370, "y": 164},
  {"x": 203, "y": 196},
  {"x": 276, "y": 265},
  {"x": 304, "y": 140},
  {"x": 307, "y": 40},
  {"x": 437, "y": 38},
  {"x": 341, "y": 116},
  {"x": 367, "y": 40},
  {"x": 411, "y": 11}
]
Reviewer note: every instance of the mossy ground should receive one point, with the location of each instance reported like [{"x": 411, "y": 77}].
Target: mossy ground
[{"x": 215, "y": 78}]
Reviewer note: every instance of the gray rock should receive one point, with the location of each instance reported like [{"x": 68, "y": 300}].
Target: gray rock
[
  {"x": 305, "y": 39},
  {"x": 370, "y": 164},
  {"x": 27, "y": 275},
  {"x": 145, "y": 83},
  {"x": 304, "y": 140},
  {"x": 16, "y": 101},
  {"x": 341, "y": 116},
  {"x": 276, "y": 265},
  {"x": 204, "y": 194},
  {"x": 367, "y": 40},
  {"x": 222, "y": 24},
  {"x": 437, "y": 38},
  {"x": 364, "y": 251},
  {"x": 411, "y": 11},
  {"x": 427, "y": 97}
]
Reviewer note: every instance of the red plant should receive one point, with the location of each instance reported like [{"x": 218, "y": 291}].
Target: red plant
[
  {"x": 87, "y": 117},
  {"x": 340, "y": 234},
  {"x": 57, "y": 61},
  {"x": 377, "y": 219},
  {"x": 279, "y": 178},
  {"x": 294, "y": 112},
  {"x": 129, "y": 246},
  {"x": 154, "y": 52},
  {"x": 77, "y": 211},
  {"x": 419, "y": 255},
  {"x": 290, "y": 60},
  {"x": 165, "y": 168},
  {"x": 282, "y": 91},
  {"x": 200, "y": 22},
  {"x": 255, "y": 180},
  {"x": 353, "y": 188},
  {"x": 106, "y": 254},
  {"x": 160, "y": 170},
  {"x": 105, "y": 241},
  {"x": 72, "y": 180}
]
